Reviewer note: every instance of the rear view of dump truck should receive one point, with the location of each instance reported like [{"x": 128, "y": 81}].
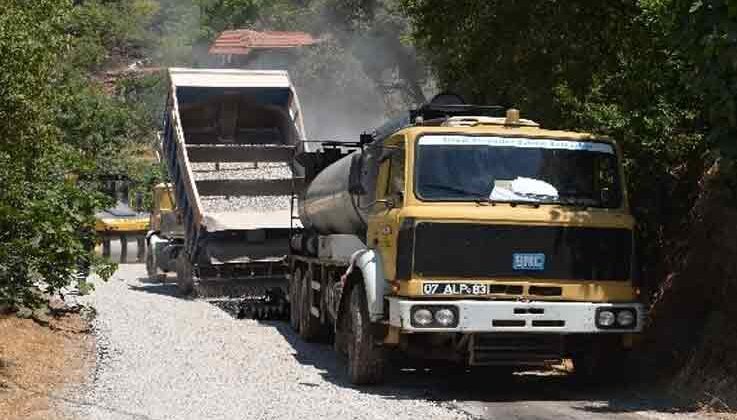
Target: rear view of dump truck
[{"x": 228, "y": 143}]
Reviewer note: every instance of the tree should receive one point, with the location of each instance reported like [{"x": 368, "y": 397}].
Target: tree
[
  {"x": 43, "y": 212},
  {"x": 706, "y": 32}
]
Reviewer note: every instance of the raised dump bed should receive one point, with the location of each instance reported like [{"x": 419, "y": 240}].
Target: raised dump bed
[{"x": 229, "y": 140}]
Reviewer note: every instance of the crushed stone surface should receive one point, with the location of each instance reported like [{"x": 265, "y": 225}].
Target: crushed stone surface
[
  {"x": 245, "y": 204},
  {"x": 228, "y": 170},
  {"x": 161, "y": 356},
  {"x": 245, "y": 171}
]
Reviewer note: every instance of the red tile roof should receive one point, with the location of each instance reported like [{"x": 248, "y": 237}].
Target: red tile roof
[{"x": 242, "y": 41}]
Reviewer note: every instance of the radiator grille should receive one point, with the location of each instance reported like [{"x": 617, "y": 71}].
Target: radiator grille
[{"x": 478, "y": 251}]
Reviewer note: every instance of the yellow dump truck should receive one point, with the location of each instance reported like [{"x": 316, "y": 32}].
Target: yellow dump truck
[
  {"x": 465, "y": 235},
  {"x": 228, "y": 143}
]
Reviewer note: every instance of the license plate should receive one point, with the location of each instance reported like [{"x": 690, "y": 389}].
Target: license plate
[{"x": 456, "y": 289}]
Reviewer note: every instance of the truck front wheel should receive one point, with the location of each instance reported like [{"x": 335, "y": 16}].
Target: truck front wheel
[{"x": 365, "y": 355}]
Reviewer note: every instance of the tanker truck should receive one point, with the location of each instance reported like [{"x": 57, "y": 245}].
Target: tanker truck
[
  {"x": 466, "y": 236},
  {"x": 223, "y": 224}
]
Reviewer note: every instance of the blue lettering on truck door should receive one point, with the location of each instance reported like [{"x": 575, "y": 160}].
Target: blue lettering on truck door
[{"x": 528, "y": 262}]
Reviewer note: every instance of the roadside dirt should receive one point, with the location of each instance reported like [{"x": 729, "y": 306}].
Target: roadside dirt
[{"x": 39, "y": 363}]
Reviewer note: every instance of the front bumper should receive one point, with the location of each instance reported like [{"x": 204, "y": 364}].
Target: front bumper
[{"x": 516, "y": 317}]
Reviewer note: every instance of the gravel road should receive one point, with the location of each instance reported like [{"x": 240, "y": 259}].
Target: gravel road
[{"x": 164, "y": 357}]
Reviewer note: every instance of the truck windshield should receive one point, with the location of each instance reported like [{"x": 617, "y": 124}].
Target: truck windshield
[{"x": 517, "y": 170}]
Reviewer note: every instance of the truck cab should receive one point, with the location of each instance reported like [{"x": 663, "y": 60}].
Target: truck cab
[{"x": 494, "y": 228}]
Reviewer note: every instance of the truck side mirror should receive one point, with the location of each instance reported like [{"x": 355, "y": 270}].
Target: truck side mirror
[{"x": 355, "y": 186}]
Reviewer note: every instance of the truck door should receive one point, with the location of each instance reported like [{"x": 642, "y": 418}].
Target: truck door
[{"x": 384, "y": 215}]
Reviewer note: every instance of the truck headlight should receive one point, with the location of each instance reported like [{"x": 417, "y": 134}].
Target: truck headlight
[
  {"x": 606, "y": 318},
  {"x": 445, "y": 317},
  {"x": 614, "y": 318},
  {"x": 625, "y": 318},
  {"x": 434, "y": 316},
  {"x": 422, "y": 317}
]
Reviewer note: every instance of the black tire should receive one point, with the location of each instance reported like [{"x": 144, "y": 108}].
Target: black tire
[
  {"x": 341, "y": 334},
  {"x": 185, "y": 275},
  {"x": 150, "y": 267},
  {"x": 309, "y": 325},
  {"x": 365, "y": 355},
  {"x": 295, "y": 293}
]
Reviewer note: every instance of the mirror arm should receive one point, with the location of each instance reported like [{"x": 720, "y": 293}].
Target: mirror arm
[{"x": 387, "y": 202}]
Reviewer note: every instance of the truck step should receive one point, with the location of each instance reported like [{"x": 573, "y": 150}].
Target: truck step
[
  {"x": 241, "y": 187},
  {"x": 239, "y": 153},
  {"x": 513, "y": 349}
]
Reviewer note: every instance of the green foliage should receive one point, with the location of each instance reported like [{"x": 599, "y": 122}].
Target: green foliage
[
  {"x": 219, "y": 15},
  {"x": 45, "y": 218},
  {"x": 706, "y": 32},
  {"x": 105, "y": 31}
]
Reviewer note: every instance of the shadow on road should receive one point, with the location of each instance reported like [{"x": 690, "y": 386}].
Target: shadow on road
[
  {"x": 451, "y": 387},
  {"x": 157, "y": 287}
]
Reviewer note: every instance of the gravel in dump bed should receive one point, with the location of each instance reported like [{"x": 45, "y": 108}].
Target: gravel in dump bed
[
  {"x": 165, "y": 357},
  {"x": 246, "y": 171},
  {"x": 259, "y": 170},
  {"x": 251, "y": 204}
]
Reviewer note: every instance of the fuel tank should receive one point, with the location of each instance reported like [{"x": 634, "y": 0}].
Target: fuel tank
[{"x": 328, "y": 207}]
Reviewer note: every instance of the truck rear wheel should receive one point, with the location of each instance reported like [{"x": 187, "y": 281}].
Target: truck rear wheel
[
  {"x": 365, "y": 356},
  {"x": 309, "y": 328},
  {"x": 295, "y": 300},
  {"x": 150, "y": 265},
  {"x": 185, "y": 274}
]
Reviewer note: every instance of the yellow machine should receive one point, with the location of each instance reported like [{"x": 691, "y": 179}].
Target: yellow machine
[
  {"x": 122, "y": 223},
  {"x": 465, "y": 237},
  {"x": 163, "y": 206}
]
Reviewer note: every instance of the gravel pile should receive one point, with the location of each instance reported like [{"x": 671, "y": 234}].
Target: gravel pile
[
  {"x": 251, "y": 204},
  {"x": 259, "y": 170},
  {"x": 247, "y": 171},
  {"x": 164, "y": 357}
]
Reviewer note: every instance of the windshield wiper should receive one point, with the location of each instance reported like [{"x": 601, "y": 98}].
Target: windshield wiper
[{"x": 515, "y": 203}]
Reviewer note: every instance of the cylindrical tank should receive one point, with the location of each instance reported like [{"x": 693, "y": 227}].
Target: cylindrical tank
[{"x": 328, "y": 206}]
